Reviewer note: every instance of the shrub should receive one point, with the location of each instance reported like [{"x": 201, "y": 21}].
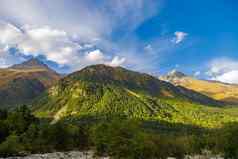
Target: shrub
[{"x": 11, "y": 146}]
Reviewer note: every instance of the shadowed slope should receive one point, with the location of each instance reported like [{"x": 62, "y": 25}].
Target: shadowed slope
[{"x": 21, "y": 83}]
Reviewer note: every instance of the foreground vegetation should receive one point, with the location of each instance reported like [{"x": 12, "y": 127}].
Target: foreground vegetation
[{"x": 22, "y": 133}]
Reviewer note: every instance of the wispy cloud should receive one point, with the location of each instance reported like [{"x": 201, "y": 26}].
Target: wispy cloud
[
  {"x": 55, "y": 45},
  {"x": 79, "y": 33},
  {"x": 197, "y": 73},
  {"x": 179, "y": 37},
  {"x": 117, "y": 61},
  {"x": 148, "y": 48},
  {"x": 224, "y": 70},
  {"x": 65, "y": 31},
  {"x": 87, "y": 18}
]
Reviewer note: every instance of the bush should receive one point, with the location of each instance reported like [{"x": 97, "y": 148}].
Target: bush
[
  {"x": 11, "y": 146},
  {"x": 19, "y": 120},
  {"x": 228, "y": 141},
  {"x": 3, "y": 114},
  {"x": 3, "y": 130},
  {"x": 126, "y": 139}
]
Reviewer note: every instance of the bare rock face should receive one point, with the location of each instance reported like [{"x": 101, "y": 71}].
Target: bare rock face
[{"x": 62, "y": 155}]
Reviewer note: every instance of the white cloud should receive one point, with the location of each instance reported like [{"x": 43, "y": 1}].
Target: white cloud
[
  {"x": 197, "y": 73},
  {"x": 40, "y": 31},
  {"x": 128, "y": 14},
  {"x": 221, "y": 65},
  {"x": 228, "y": 77},
  {"x": 179, "y": 37},
  {"x": 56, "y": 45},
  {"x": 224, "y": 70},
  {"x": 87, "y": 18},
  {"x": 117, "y": 61},
  {"x": 9, "y": 33},
  {"x": 88, "y": 24},
  {"x": 95, "y": 56},
  {"x": 148, "y": 48},
  {"x": 45, "y": 32}
]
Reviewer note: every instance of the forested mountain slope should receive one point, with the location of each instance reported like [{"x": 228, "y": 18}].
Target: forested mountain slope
[{"x": 100, "y": 89}]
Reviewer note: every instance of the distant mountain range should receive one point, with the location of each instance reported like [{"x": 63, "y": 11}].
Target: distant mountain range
[
  {"x": 21, "y": 83},
  {"x": 103, "y": 90},
  {"x": 220, "y": 91}
]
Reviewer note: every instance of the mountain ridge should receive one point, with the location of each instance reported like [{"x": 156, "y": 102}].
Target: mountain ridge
[
  {"x": 21, "y": 83},
  {"x": 30, "y": 64},
  {"x": 218, "y": 90},
  {"x": 103, "y": 89}
]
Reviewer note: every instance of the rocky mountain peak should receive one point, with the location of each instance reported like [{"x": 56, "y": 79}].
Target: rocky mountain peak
[{"x": 29, "y": 64}]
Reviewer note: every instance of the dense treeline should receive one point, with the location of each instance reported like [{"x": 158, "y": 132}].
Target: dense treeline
[{"x": 21, "y": 133}]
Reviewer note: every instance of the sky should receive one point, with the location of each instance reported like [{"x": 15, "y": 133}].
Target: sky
[{"x": 198, "y": 38}]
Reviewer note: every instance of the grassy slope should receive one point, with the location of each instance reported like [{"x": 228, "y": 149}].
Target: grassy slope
[
  {"x": 18, "y": 86},
  {"x": 97, "y": 91},
  {"x": 202, "y": 115},
  {"x": 44, "y": 76},
  {"x": 116, "y": 100},
  {"x": 216, "y": 90}
]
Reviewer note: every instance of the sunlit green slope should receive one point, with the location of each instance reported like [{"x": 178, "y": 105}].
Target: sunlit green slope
[{"x": 103, "y": 90}]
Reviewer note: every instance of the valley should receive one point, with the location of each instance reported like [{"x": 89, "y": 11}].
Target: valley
[
  {"x": 101, "y": 103},
  {"x": 118, "y": 79}
]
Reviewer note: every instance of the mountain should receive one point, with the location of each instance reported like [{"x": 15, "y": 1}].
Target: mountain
[
  {"x": 175, "y": 74},
  {"x": 36, "y": 69},
  {"x": 220, "y": 91},
  {"x": 100, "y": 89},
  {"x": 23, "y": 82},
  {"x": 33, "y": 63}
]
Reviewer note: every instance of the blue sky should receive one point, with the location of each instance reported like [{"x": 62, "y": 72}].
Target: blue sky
[{"x": 153, "y": 36}]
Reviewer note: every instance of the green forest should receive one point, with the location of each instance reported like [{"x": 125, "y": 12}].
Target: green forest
[{"x": 22, "y": 133}]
